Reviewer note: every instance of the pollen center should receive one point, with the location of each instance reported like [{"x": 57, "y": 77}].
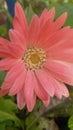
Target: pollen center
[{"x": 34, "y": 58}]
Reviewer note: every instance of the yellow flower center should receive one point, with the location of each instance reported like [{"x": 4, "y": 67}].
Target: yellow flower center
[{"x": 34, "y": 58}]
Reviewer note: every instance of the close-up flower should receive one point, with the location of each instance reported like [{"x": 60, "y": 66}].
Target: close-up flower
[{"x": 37, "y": 58}]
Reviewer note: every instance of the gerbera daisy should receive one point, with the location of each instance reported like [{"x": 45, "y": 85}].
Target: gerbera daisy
[{"x": 38, "y": 58}]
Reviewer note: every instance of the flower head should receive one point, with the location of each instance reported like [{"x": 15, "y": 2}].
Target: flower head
[{"x": 38, "y": 58}]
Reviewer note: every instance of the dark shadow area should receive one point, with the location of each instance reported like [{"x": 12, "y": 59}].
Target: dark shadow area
[{"x": 62, "y": 123}]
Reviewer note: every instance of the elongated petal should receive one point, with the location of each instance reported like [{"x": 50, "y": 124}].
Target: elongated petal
[
  {"x": 44, "y": 33},
  {"x": 4, "y": 48},
  {"x": 57, "y": 37},
  {"x": 33, "y": 31},
  {"x": 40, "y": 92},
  {"x": 61, "y": 90},
  {"x": 17, "y": 52},
  {"x": 46, "y": 102},
  {"x": 17, "y": 68},
  {"x": 29, "y": 94},
  {"x": 4, "y": 42},
  {"x": 46, "y": 81},
  {"x": 62, "y": 71},
  {"x": 60, "y": 21},
  {"x": 47, "y": 15},
  {"x": 17, "y": 38},
  {"x": 17, "y": 26},
  {"x": 20, "y": 99},
  {"x": 3, "y": 92},
  {"x": 18, "y": 84},
  {"x": 19, "y": 14},
  {"x": 12, "y": 75},
  {"x": 63, "y": 54},
  {"x": 7, "y": 63},
  {"x": 8, "y": 49},
  {"x": 51, "y": 14}
]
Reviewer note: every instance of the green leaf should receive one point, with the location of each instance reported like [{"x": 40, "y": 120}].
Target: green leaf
[
  {"x": 4, "y": 116},
  {"x": 64, "y": 7},
  {"x": 29, "y": 13},
  {"x": 2, "y": 76},
  {"x": 8, "y": 111},
  {"x": 3, "y": 31},
  {"x": 70, "y": 123},
  {"x": 7, "y": 125},
  {"x": 39, "y": 123},
  {"x": 2, "y": 126},
  {"x": 8, "y": 105}
]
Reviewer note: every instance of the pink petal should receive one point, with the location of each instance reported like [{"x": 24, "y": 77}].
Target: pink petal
[
  {"x": 20, "y": 15},
  {"x": 61, "y": 54},
  {"x": 61, "y": 90},
  {"x": 43, "y": 17},
  {"x": 40, "y": 92},
  {"x": 29, "y": 94},
  {"x": 33, "y": 30},
  {"x": 60, "y": 21},
  {"x": 18, "y": 84},
  {"x": 7, "y": 63},
  {"x": 6, "y": 85},
  {"x": 4, "y": 48},
  {"x": 3, "y": 92},
  {"x": 20, "y": 99},
  {"x": 17, "y": 67},
  {"x": 6, "y": 52},
  {"x": 51, "y": 14},
  {"x": 57, "y": 37},
  {"x": 17, "y": 26},
  {"x": 12, "y": 75},
  {"x": 8, "y": 49},
  {"x": 45, "y": 32},
  {"x": 49, "y": 29},
  {"x": 46, "y": 15},
  {"x": 46, "y": 102},
  {"x": 16, "y": 50},
  {"x": 62, "y": 71},
  {"x": 66, "y": 44},
  {"x": 4, "y": 42},
  {"x": 62, "y": 42},
  {"x": 17, "y": 38},
  {"x": 46, "y": 81}
]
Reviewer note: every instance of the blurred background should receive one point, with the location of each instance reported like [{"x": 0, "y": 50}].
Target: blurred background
[{"x": 59, "y": 114}]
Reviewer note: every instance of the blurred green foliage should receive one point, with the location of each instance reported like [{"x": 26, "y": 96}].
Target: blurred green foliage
[
  {"x": 61, "y": 8},
  {"x": 8, "y": 118}
]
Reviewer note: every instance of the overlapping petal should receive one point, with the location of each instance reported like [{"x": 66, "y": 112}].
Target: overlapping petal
[
  {"x": 60, "y": 21},
  {"x": 20, "y": 22},
  {"x": 13, "y": 74},
  {"x": 7, "y": 63},
  {"x": 45, "y": 81},
  {"x": 18, "y": 84},
  {"x": 47, "y": 15},
  {"x": 33, "y": 31},
  {"x": 61, "y": 70},
  {"x": 51, "y": 44},
  {"x": 56, "y": 38},
  {"x": 29, "y": 94},
  {"x": 17, "y": 38},
  {"x": 39, "y": 90}
]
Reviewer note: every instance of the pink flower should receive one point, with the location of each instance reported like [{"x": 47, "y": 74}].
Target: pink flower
[{"x": 38, "y": 58}]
